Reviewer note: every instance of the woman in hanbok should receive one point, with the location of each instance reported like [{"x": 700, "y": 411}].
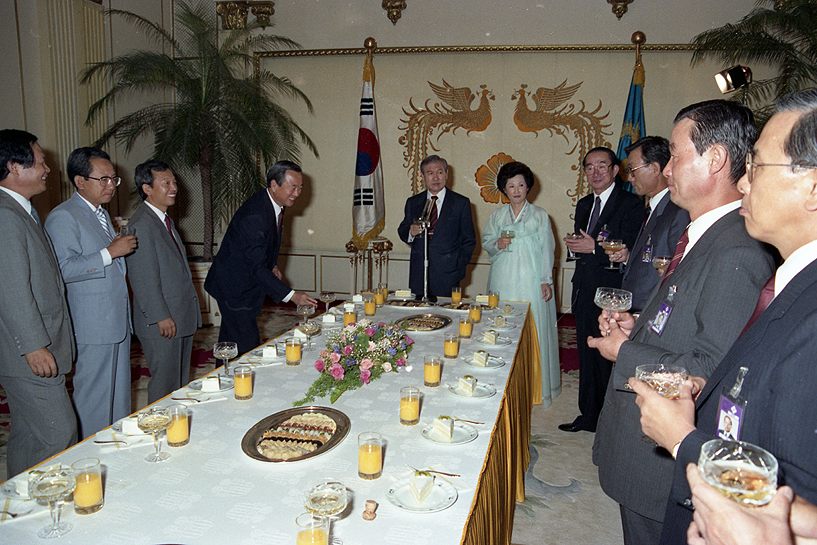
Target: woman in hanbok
[{"x": 522, "y": 266}]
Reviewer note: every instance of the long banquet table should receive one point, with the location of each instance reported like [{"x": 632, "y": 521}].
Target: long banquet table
[{"x": 210, "y": 491}]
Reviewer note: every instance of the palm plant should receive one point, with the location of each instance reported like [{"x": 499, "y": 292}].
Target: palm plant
[
  {"x": 220, "y": 120},
  {"x": 784, "y": 37}
]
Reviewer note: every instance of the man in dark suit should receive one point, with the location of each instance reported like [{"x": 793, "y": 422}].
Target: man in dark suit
[
  {"x": 165, "y": 306},
  {"x": 622, "y": 213},
  {"x": 93, "y": 266},
  {"x": 36, "y": 338},
  {"x": 451, "y": 236},
  {"x": 664, "y": 223},
  {"x": 778, "y": 343},
  {"x": 245, "y": 269},
  {"x": 705, "y": 297}
]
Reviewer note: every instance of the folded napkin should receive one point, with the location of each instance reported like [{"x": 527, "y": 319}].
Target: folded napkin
[{"x": 127, "y": 441}]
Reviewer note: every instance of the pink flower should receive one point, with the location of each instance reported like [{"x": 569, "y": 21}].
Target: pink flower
[
  {"x": 324, "y": 353},
  {"x": 364, "y": 376},
  {"x": 336, "y": 371},
  {"x": 347, "y": 349},
  {"x": 409, "y": 340},
  {"x": 334, "y": 357},
  {"x": 369, "y": 331},
  {"x": 387, "y": 367},
  {"x": 400, "y": 362},
  {"x": 365, "y": 364},
  {"x": 320, "y": 366}
]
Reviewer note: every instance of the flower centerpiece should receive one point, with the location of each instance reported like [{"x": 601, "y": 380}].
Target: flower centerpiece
[{"x": 356, "y": 355}]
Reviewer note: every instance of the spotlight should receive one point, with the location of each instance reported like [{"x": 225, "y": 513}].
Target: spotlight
[{"x": 733, "y": 78}]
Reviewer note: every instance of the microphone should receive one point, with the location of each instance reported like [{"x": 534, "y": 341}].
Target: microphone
[{"x": 423, "y": 220}]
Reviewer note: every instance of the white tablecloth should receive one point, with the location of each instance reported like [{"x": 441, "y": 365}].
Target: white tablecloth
[{"x": 211, "y": 492}]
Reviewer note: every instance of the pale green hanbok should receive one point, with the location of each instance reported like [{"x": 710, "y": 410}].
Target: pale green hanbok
[{"x": 518, "y": 275}]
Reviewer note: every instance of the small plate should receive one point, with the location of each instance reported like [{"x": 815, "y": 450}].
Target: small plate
[
  {"x": 18, "y": 508},
  {"x": 463, "y": 433},
  {"x": 500, "y": 341},
  {"x": 482, "y": 390},
  {"x": 442, "y": 496},
  {"x": 226, "y": 383},
  {"x": 507, "y": 327},
  {"x": 494, "y": 362}
]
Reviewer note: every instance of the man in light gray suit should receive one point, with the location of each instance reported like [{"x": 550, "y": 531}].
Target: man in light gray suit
[
  {"x": 93, "y": 266},
  {"x": 36, "y": 339},
  {"x": 165, "y": 306},
  {"x": 703, "y": 302},
  {"x": 664, "y": 223}
]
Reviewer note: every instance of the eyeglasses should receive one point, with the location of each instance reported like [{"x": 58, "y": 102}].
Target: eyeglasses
[
  {"x": 601, "y": 167},
  {"x": 751, "y": 166},
  {"x": 630, "y": 171},
  {"x": 105, "y": 180}
]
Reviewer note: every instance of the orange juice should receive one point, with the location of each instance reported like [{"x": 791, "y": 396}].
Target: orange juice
[
  {"x": 379, "y": 299},
  {"x": 432, "y": 373},
  {"x": 369, "y": 307},
  {"x": 243, "y": 386},
  {"x": 178, "y": 434},
  {"x": 466, "y": 328},
  {"x": 293, "y": 353},
  {"x": 312, "y": 536},
  {"x": 456, "y": 297},
  {"x": 493, "y": 300},
  {"x": 349, "y": 317},
  {"x": 475, "y": 314},
  {"x": 384, "y": 293},
  {"x": 369, "y": 461},
  {"x": 451, "y": 347},
  {"x": 409, "y": 410},
  {"x": 88, "y": 493}
]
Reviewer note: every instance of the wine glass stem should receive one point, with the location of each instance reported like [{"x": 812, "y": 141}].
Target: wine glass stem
[
  {"x": 56, "y": 510},
  {"x": 156, "y": 444},
  {"x": 226, "y": 367}
]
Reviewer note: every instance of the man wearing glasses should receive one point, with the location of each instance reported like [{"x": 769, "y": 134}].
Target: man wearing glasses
[{"x": 91, "y": 259}]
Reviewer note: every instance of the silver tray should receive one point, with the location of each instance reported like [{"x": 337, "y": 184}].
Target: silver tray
[
  {"x": 249, "y": 443},
  {"x": 405, "y": 323}
]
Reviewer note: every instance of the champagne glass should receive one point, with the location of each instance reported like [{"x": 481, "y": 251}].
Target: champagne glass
[
  {"x": 661, "y": 263},
  {"x": 327, "y": 297},
  {"x": 225, "y": 351},
  {"x": 305, "y": 311},
  {"x": 663, "y": 378},
  {"x": 572, "y": 236},
  {"x": 613, "y": 300},
  {"x": 309, "y": 328},
  {"x": 53, "y": 487},
  {"x": 507, "y": 233},
  {"x": 326, "y": 499},
  {"x": 153, "y": 421},
  {"x": 741, "y": 471},
  {"x": 612, "y": 245}
]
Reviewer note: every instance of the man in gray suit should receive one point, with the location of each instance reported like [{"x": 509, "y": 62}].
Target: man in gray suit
[
  {"x": 702, "y": 304},
  {"x": 36, "y": 339},
  {"x": 165, "y": 306},
  {"x": 93, "y": 266},
  {"x": 664, "y": 220}
]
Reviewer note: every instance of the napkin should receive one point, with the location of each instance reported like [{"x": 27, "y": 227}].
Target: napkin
[{"x": 130, "y": 441}]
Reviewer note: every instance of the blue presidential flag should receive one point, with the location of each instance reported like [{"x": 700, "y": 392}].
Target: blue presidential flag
[
  {"x": 368, "y": 205},
  {"x": 633, "y": 126}
]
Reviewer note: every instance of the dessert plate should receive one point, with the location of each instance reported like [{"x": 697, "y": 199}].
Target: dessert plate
[
  {"x": 494, "y": 362},
  {"x": 500, "y": 341},
  {"x": 481, "y": 390},
  {"x": 463, "y": 433},
  {"x": 225, "y": 383},
  {"x": 442, "y": 496}
]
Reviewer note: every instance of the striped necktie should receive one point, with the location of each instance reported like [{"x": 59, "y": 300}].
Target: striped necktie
[
  {"x": 103, "y": 220},
  {"x": 680, "y": 248},
  {"x": 433, "y": 216},
  {"x": 764, "y": 300}
]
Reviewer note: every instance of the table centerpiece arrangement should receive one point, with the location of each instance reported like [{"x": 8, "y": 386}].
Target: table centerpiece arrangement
[{"x": 356, "y": 355}]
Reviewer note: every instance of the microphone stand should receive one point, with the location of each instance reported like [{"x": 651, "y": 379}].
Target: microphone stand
[{"x": 423, "y": 221}]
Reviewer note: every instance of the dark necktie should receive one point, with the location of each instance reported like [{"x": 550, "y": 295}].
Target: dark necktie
[
  {"x": 677, "y": 256},
  {"x": 170, "y": 230},
  {"x": 646, "y": 216},
  {"x": 765, "y": 299},
  {"x": 280, "y": 222},
  {"x": 36, "y": 217},
  {"x": 594, "y": 217},
  {"x": 432, "y": 217}
]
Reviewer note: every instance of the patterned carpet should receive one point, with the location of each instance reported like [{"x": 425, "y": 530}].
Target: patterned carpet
[{"x": 564, "y": 504}]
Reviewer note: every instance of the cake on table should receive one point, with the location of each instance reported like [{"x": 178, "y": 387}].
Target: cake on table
[
  {"x": 420, "y": 485},
  {"x": 490, "y": 337},
  {"x": 443, "y": 428},
  {"x": 467, "y": 385},
  {"x": 481, "y": 358}
]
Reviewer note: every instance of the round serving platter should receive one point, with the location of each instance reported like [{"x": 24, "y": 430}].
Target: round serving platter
[{"x": 249, "y": 443}]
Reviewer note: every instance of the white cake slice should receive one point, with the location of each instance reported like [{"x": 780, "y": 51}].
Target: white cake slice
[
  {"x": 420, "y": 485},
  {"x": 443, "y": 428},
  {"x": 507, "y": 309},
  {"x": 329, "y": 318},
  {"x": 499, "y": 321},
  {"x": 490, "y": 337},
  {"x": 403, "y": 294},
  {"x": 481, "y": 358},
  {"x": 482, "y": 299},
  {"x": 467, "y": 385},
  {"x": 357, "y": 298},
  {"x": 270, "y": 352}
]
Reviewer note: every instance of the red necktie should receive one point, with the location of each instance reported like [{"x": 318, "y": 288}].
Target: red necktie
[
  {"x": 765, "y": 299},
  {"x": 170, "y": 230},
  {"x": 280, "y": 221},
  {"x": 432, "y": 218},
  {"x": 677, "y": 256}
]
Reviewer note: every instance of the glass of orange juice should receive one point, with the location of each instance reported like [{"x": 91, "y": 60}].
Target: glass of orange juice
[
  {"x": 451, "y": 348},
  {"x": 349, "y": 314},
  {"x": 475, "y": 312},
  {"x": 312, "y": 530},
  {"x": 293, "y": 351},
  {"x": 88, "y": 496},
  {"x": 466, "y": 327},
  {"x": 432, "y": 371},
  {"x": 383, "y": 289},
  {"x": 243, "y": 383},
  {"x": 369, "y": 304},
  {"x": 369, "y": 455},
  {"x": 493, "y": 299},
  {"x": 178, "y": 434},
  {"x": 456, "y": 295},
  {"x": 409, "y": 405}
]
